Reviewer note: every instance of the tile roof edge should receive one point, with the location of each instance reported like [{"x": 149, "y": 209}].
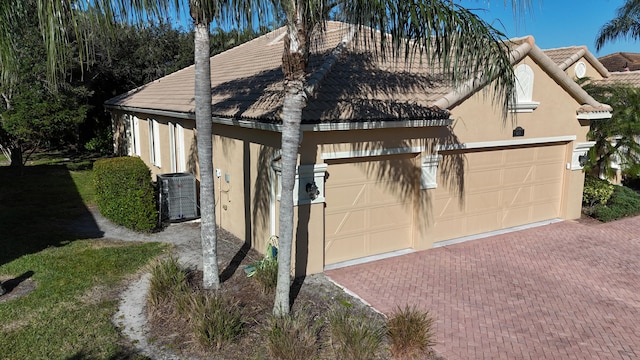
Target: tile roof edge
[
  {"x": 150, "y": 111},
  {"x": 467, "y": 88},
  {"x": 562, "y": 79},
  {"x": 582, "y": 51}
]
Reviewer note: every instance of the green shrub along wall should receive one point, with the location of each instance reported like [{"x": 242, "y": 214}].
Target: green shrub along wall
[
  {"x": 624, "y": 202},
  {"x": 124, "y": 192}
]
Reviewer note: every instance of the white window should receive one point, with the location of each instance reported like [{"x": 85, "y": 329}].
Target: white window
[
  {"x": 524, "y": 89},
  {"x": 133, "y": 135},
  {"x": 180, "y": 158},
  {"x": 172, "y": 146},
  {"x": 154, "y": 142},
  {"x": 176, "y": 147}
]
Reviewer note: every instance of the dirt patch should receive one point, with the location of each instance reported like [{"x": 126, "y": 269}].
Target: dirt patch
[{"x": 16, "y": 287}]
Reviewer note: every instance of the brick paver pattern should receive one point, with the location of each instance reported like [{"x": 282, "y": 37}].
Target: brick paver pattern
[{"x": 561, "y": 291}]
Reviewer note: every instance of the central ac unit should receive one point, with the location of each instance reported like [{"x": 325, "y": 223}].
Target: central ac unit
[{"x": 178, "y": 196}]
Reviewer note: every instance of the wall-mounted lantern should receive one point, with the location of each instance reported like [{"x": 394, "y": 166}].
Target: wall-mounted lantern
[
  {"x": 582, "y": 160},
  {"x": 312, "y": 190}
]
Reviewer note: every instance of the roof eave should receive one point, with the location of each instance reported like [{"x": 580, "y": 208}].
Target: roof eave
[
  {"x": 157, "y": 112},
  {"x": 594, "y": 115}
]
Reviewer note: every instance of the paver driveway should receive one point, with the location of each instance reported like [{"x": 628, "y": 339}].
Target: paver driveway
[{"x": 561, "y": 291}]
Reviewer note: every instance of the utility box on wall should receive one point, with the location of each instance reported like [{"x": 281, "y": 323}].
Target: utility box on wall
[{"x": 178, "y": 196}]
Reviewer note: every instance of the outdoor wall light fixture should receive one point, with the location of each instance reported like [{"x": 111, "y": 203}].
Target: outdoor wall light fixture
[
  {"x": 519, "y": 131},
  {"x": 582, "y": 160},
  {"x": 312, "y": 190}
]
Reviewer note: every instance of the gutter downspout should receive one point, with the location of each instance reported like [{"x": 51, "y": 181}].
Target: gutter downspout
[{"x": 272, "y": 192}]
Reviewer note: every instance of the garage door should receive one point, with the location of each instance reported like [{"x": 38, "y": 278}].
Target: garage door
[
  {"x": 502, "y": 188},
  {"x": 368, "y": 208}
]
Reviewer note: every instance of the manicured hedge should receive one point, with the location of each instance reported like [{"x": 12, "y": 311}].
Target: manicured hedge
[
  {"x": 624, "y": 202},
  {"x": 124, "y": 192}
]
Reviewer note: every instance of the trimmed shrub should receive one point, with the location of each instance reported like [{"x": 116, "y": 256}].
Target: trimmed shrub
[
  {"x": 596, "y": 191},
  {"x": 624, "y": 202},
  {"x": 410, "y": 333},
  {"x": 124, "y": 192}
]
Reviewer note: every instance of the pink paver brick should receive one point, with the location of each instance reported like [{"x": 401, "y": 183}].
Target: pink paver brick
[{"x": 561, "y": 291}]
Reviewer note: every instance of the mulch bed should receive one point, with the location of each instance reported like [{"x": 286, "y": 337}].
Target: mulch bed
[{"x": 315, "y": 294}]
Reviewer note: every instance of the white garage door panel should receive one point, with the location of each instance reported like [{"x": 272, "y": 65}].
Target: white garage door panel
[
  {"x": 364, "y": 215},
  {"x": 503, "y": 188}
]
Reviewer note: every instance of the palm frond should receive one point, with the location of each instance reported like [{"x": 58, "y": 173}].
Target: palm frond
[
  {"x": 457, "y": 41},
  {"x": 626, "y": 24}
]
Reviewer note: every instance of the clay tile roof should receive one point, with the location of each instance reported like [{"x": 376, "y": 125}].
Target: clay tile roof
[
  {"x": 247, "y": 83},
  {"x": 621, "y": 61},
  {"x": 346, "y": 83},
  {"x": 630, "y": 78},
  {"x": 562, "y": 55}
]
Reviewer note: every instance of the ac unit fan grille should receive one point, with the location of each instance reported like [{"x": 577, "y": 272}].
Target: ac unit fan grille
[{"x": 178, "y": 196}]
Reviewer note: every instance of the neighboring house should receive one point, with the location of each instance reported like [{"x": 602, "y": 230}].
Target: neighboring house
[
  {"x": 621, "y": 61},
  {"x": 621, "y": 68},
  {"x": 401, "y": 160}
]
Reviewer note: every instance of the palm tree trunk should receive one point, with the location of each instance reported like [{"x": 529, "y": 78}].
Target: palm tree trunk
[
  {"x": 294, "y": 101},
  {"x": 294, "y": 65},
  {"x": 211, "y": 279}
]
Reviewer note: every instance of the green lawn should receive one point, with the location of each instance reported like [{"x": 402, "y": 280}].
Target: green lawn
[{"x": 68, "y": 315}]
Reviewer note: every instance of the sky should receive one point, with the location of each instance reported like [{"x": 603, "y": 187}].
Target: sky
[
  {"x": 552, "y": 23},
  {"x": 556, "y": 23}
]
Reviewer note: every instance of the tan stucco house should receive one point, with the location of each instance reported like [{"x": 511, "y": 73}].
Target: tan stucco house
[{"x": 402, "y": 161}]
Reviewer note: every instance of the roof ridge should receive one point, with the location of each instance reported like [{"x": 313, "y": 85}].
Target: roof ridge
[
  {"x": 313, "y": 82},
  {"x": 565, "y": 47}
]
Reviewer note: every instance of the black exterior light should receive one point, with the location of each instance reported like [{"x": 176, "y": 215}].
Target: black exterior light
[
  {"x": 582, "y": 160},
  {"x": 312, "y": 190},
  {"x": 519, "y": 131}
]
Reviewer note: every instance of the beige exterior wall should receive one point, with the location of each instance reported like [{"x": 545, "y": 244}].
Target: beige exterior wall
[
  {"x": 476, "y": 120},
  {"x": 243, "y": 203}
]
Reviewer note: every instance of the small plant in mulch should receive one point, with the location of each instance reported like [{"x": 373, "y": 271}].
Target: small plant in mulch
[
  {"x": 215, "y": 318},
  {"x": 265, "y": 271},
  {"x": 292, "y": 337},
  {"x": 410, "y": 333},
  {"x": 168, "y": 282},
  {"x": 354, "y": 335}
]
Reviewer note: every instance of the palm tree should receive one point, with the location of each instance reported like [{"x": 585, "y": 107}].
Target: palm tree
[
  {"x": 202, "y": 13},
  {"x": 55, "y": 17},
  {"x": 451, "y": 37},
  {"x": 626, "y": 24},
  {"x": 616, "y": 139}
]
